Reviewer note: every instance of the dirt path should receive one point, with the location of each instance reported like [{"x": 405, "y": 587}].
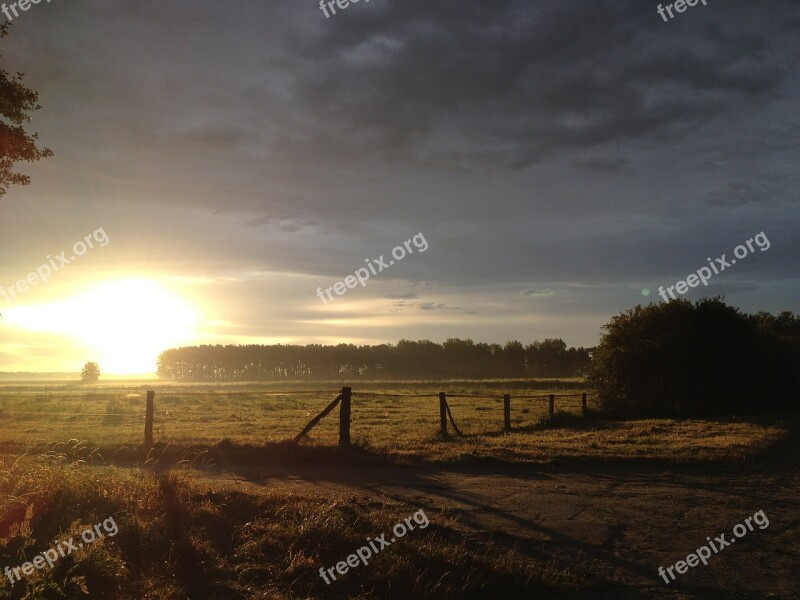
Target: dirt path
[{"x": 617, "y": 522}]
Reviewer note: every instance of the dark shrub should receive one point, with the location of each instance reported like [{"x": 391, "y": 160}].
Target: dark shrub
[{"x": 679, "y": 359}]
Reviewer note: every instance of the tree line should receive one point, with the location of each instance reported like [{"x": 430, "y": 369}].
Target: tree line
[{"x": 455, "y": 358}]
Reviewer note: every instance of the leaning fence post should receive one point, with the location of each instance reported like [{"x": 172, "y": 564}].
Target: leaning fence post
[
  {"x": 583, "y": 404},
  {"x": 148, "y": 421},
  {"x": 443, "y": 413},
  {"x": 507, "y": 411},
  {"x": 552, "y": 404},
  {"x": 344, "y": 418},
  {"x": 318, "y": 418}
]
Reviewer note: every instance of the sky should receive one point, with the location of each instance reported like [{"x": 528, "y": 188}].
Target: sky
[{"x": 562, "y": 160}]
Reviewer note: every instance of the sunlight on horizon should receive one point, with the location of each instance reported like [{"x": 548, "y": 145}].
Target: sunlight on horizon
[{"x": 125, "y": 323}]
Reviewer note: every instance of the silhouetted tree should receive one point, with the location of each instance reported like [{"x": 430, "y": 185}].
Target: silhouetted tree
[
  {"x": 90, "y": 372},
  {"x": 679, "y": 358},
  {"x": 16, "y": 102},
  {"x": 511, "y": 359},
  {"x": 407, "y": 360}
]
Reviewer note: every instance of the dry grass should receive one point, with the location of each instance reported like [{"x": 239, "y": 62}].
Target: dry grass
[
  {"x": 178, "y": 539},
  {"x": 110, "y": 419},
  {"x": 665, "y": 440}
]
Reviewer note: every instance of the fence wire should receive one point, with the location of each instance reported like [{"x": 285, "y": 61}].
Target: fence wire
[{"x": 259, "y": 417}]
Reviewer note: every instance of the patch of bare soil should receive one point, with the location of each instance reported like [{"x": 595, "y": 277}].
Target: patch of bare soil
[{"x": 617, "y": 521}]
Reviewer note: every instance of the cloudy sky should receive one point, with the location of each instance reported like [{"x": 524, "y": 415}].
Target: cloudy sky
[{"x": 562, "y": 159}]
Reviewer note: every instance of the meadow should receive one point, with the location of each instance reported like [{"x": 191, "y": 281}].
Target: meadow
[
  {"x": 109, "y": 418},
  {"x": 226, "y": 507}
]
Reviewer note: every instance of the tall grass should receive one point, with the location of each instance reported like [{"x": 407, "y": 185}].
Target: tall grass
[{"x": 179, "y": 539}]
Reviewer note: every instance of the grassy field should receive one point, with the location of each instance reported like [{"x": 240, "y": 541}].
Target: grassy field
[
  {"x": 110, "y": 419},
  {"x": 225, "y": 534}
]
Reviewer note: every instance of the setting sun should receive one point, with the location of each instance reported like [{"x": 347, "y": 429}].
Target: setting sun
[{"x": 123, "y": 324}]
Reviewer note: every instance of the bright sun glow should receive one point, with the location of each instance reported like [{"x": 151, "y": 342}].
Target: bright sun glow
[{"x": 124, "y": 323}]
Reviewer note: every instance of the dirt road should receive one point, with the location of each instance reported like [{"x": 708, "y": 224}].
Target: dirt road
[{"x": 616, "y": 522}]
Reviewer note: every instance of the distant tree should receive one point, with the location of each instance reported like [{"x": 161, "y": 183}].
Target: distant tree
[
  {"x": 407, "y": 360},
  {"x": 16, "y": 102},
  {"x": 90, "y": 372}
]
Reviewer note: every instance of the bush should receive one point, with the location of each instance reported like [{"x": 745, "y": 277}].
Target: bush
[{"x": 683, "y": 359}]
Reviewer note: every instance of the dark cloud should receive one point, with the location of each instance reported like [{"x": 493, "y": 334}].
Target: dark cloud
[
  {"x": 507, "y": 83},
  {"x": 216, "y": 138},
  {"x": 606, "y": 164},
  {"x": 432, "y": 306},
  {"x": 737, "y": 193},
  {"x": 532, "y": 292},
  {"x": 560, "y": 145}
]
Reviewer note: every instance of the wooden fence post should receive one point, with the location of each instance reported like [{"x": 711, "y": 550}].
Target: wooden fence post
[
  {"x": 552, "y": 404},
  {"x": 148, "y": 421},
  {"x": 344, "y": 418},
  {"x": 318, "y": 418},
  {"x": 507, "y": 411},
  {"x": 443, "y": 413},
  {"x": 583, "y": 404}
]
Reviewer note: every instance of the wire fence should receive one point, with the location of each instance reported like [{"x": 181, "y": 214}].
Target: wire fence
[{"x": 117, "y": 416}]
